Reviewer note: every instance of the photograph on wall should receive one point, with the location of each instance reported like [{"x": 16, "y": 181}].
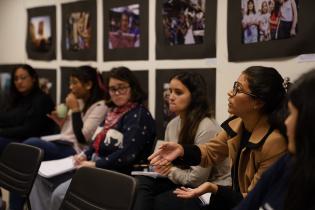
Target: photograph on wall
[
  {"x": 47, "y": 82},
  {"x": 260, "y": 29},
  {"x": 79, "y": 30},
  {"x": 185, "y": 29},
  {"x": 125, "y": 30},
  {"x": 162, "y": 113},
  {"x": 41, "y": 33},
  {"x": 266, "y": 20},
  {"x": 141, "y": 75}
]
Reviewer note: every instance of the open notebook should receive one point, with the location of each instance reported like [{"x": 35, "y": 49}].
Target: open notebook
[{"x": 53, "y": 168}]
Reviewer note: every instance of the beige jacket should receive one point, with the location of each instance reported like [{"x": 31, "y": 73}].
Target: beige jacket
[{"x": 265, "y": 146}]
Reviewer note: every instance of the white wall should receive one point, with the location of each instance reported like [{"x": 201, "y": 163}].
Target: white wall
[{"x": 12, "y": 50}]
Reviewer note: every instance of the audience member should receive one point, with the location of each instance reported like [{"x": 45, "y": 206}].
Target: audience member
[
  {"x": 25, "y": 114},
  {"x": 126, "y": 138},
  {"x": 253, "y": 138},
  {"x": 193, "y": 125},
  {"x": 289, "y": 184},
  {"x": 86, "y": 111}
]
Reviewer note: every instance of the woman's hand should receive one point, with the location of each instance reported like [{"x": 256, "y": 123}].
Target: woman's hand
[
  {"x": 72, "y": 102},
  {"x": 206, "y": 187},
  {"x": 79, "y": 158},
  {"x": 59, "y": 121},
  {"x": 85, "y": 163},
  {"x": 164, "y": 170},
  {"x": 166, "y": 153}
]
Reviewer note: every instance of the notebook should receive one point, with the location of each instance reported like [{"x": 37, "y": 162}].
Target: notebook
[{"x": 53, "y": 168}]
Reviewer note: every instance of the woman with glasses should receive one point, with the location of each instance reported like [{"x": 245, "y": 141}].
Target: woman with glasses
[
  {"x": 289, "y": 184},
  {"x": 253, "y": 138},
  {"x": 25, "y": 112},
  {"x": 125, "y": 139}
]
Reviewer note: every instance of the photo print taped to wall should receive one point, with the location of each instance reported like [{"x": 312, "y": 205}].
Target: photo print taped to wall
[
  {"x": 79, "y": 30},
  {"x": 125, "y": 30},
  {"x": 41, "y": 33},
  {"x": 185, "y": 29},
  {"x": 260, "y": 29},
  {"x": 162, "y": 113}
]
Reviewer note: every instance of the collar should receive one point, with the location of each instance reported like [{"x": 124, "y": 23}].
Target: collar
[{"x": 233, "y": 127}]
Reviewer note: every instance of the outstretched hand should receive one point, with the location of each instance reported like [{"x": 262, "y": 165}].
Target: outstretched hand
[
  {"x": 206, "y": 187},
  {"x": 166, "y": 154}
]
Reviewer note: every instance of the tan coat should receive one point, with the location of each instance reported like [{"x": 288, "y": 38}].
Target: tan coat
[{"x": 265, "y": 146}]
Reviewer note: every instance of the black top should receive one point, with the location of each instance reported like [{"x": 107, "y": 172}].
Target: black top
[{"x": 28, "y": 118}]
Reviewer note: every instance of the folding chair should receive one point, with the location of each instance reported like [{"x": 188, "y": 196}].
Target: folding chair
[
  {"x": 19, "y": 164},
  {"x": 99, "y": 189}
]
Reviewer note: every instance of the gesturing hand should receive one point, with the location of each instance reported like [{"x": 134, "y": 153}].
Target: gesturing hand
[{"x": 166, "y": 153}]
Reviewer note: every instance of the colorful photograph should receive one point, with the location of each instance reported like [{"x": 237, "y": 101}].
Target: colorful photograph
[
  {"x": 40, "y": 33},
  {"x": 184, "y": 21},
  {"x": 78, "y": 31},
  {"x": 124, "y": 27},
  {"x": 265, "y": 20}
]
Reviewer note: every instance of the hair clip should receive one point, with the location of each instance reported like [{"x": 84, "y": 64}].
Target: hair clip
[{"x": 286, "y": 83}]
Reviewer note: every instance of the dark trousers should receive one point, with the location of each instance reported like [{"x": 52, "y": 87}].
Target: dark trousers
[{"x": 157, "y": 194}]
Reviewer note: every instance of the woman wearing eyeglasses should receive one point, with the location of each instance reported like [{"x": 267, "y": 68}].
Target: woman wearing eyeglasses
[
  {"x": 25, "y": 112},
  {"x": 125, "y": 139},
  {"x": 253, "y": 138}
]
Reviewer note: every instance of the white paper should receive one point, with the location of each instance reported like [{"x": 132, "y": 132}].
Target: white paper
[
  {"x": 55, "y": 167},
  {"x": 205, "y": 198},
  {"x": 147, "y": 173},
  {"x": 52, "y": 137}
]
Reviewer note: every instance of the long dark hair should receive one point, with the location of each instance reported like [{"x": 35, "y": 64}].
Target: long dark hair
[
  {"x": 124, "y": 74},
  {"x": 87, "y": 74},
  {"x": 199, "y": 107},
  {"x": 14, "y": 94},
  {"x": 267, "y": 84},
  {"x": 302, "y": 179}
]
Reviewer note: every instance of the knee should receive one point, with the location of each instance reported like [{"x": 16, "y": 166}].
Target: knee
[{"x": 33, "y": 141}]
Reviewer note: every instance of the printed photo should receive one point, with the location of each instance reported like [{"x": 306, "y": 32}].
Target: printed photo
[
  {"x": 40, "y": 33},
  {"x": 78, "y": 31},
  {"x": 124, "y": 27},
  {"x": 184, "y": 21},
  {"x": 265, "y": 20}
]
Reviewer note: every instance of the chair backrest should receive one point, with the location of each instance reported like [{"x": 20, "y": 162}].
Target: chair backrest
[
  {"x": 19, "y": 164},
  {"x": 99, "y": 189}
]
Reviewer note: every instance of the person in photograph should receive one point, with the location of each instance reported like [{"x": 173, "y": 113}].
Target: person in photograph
[
  {"x": 264, "y": 26},
  {"x": 25, "y": 114},
  {"x": 288, "y": 19},
  {"x": 128, "y": 34},
  {"x": 253, "y": 138},
  {"x": 193, "y": 125},
  {"x": 274, "y": 8},
  {"x": 250, "y": 24},
  {"x": 126, "y": 137},
  {"x": 81, "y": 31},
  {"x": 289, "y": 184}
]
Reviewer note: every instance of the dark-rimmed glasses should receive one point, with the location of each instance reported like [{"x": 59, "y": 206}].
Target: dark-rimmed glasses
[
  {"x": 118, "y": 90},
  {"x": 238, "y": 88}
]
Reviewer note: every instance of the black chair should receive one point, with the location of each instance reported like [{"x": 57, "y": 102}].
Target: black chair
[
  {"x": 99, "y": 189},
  {"x": 19, "y": 164}
]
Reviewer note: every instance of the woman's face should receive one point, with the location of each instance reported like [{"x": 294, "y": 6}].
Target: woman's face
[
  {"x": 290, "y": 124},
  {"x": 241, "y": 103},
  {"x": 250, "y": 6},
  {"x": 264, "y": 7},
  {"x": 23, "y": 81},
  {"x": 180, "y": 97},
  {"x": 119, "y": 91},
  {"x": 79, "y": 89}
]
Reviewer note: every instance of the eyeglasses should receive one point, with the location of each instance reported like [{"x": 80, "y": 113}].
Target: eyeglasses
[
  {"x": 238, "y": 88},
  {"x": 118, "y": 90},
  {"x": 17, "y": 78}
]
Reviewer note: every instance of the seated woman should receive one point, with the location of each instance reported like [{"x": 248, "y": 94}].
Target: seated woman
[
  {"x": 290, "y": 183},
  {"x": 86, "y": 110},
  {"x": 193, "y": 125},
  {"x": 25, "y": 114},
  {"x": 127, "y": 136},
  {"x": 253, "y": 138}
]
